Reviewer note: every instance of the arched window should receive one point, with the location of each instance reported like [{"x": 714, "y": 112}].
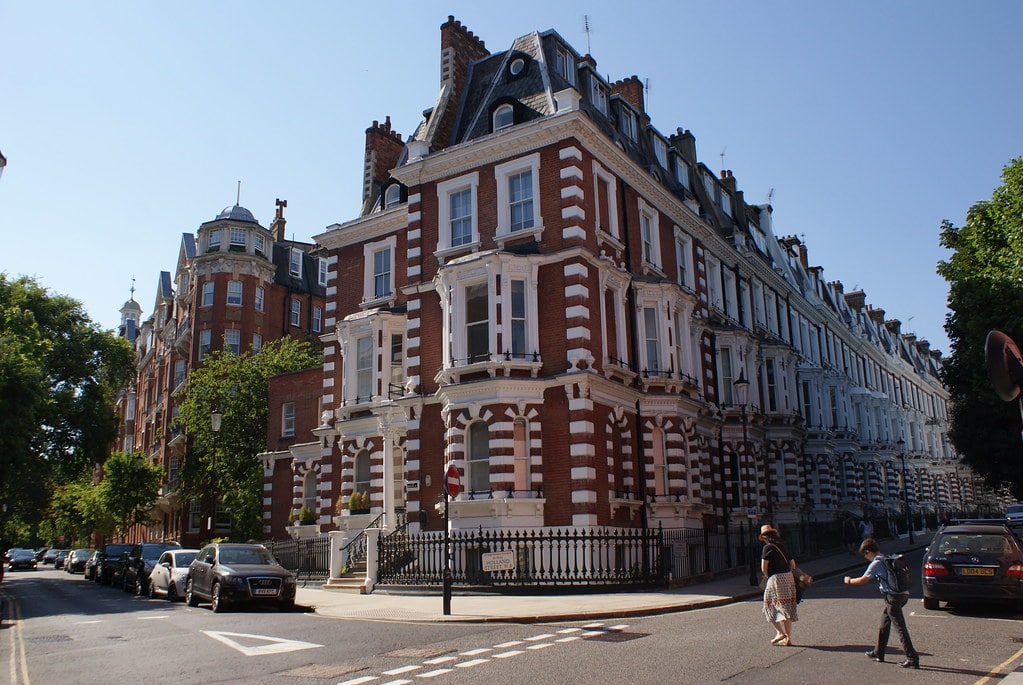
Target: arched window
[
  {"x": 520, "y": 448},
  {"x": 309, "y": 490},
  {"x": 392, "y": 196},
  {"x": 478, "y": 452},
  {"x": 504, "y": 116},
  {"x": 363, "y": 473}
]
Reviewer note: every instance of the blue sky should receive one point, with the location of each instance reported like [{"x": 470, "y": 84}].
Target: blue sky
[{"x": 126, "y": 124}]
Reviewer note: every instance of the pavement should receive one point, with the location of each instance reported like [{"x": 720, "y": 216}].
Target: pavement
[{"x": 571, "y": 606}]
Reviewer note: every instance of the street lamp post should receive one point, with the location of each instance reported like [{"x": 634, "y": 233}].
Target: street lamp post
[
  {"x": 742, "y": 392},
  {"x": 216, "y": 417},
  {"x": 905, "y": 490}
]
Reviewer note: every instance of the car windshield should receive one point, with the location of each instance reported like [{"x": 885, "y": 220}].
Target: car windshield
[
  {"x": 184, "y": 559},
  {"x": 153, "y": 553},
  {"x": 245, "y": 555},
  {"x": 22, "y": 553},
  {"x": 973, "y": 543},
  {"x": 1014, "y": 509},
  {"x": 115, "y": 550}
]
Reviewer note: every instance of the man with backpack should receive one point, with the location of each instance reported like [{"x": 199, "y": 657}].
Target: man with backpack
[{"x": 893, "y": 582}]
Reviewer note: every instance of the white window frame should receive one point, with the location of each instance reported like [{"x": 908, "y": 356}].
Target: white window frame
[
  {"x": 233, "y": 340},
  {"x": 213, "y": 240},
  {"x": 731, "y": 309},
  {"x": 627, "y": 121},
  {"x": 295, "y": 262},
  {"x": 205, "y": 342},
  {"x": 317, "y": 321},
  {"x": 503, "y": 173},
  {"x": 445, "y": 190},
  {"x": 392, "y": 196},
  {"x": 602, "y": 175},
  {"x": 370, "y": 252},
  {"x": 660, "y": 150},
  {"x": 257, "y": 343},
  {"x": 260, "y": 301},
  {"x": 715, "y": 298},
  {"x": 238, "y": 237},
  {"x": 504, "y": 117},
  {"x": 684, "y": 259},
  {"x": 564, "y": 63},
  {"x": 652, "y": 341},
  {"x": 259, "y": 243},
  {"x": 364, "y": 366},
  {"x": 288, "y": 420},
  {"x": 649, "y": 227},
  {"x": 598, "y": 94},
  {"x": 235, "y": 293},
  {"x": 295, "y": 316},
  {"x": 321, "y": 273},
  {"x": 477, "y": 457},
  {"x": 726, "y": 375},
  {"x": 209, "y": 291},
  {"x": 682, "y": 172},
  {"x": 309, "y": 497}
]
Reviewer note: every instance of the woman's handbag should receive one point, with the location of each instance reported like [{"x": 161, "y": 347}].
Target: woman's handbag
[{"x": 803, "y": 581}]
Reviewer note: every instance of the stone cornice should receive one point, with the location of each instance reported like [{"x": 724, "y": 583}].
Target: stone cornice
[{"x": 364, "y": 228}]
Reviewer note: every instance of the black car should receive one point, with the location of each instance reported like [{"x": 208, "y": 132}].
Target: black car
[
  {"x": 60, "y": 558},
  {"x": 110, "y": 562},
  {"x": 92, "y": 565},
  {"x": 24, "y": 559},
  {"x": 229, "y": 573},
  {"x": 968, "y": 562},
  {"x": 140, "y": 562}
]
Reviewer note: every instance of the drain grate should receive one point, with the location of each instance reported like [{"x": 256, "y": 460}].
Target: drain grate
[{"x": 616, "y": 636}]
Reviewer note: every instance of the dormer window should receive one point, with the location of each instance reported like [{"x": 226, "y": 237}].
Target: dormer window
[
  {"x": 681, "y": 172},
  {"x": 213, "y": 241},
  {"x": 627, "y": 122},
  {"x": 504, "y": 117},
  {"x": 660, "y": 151},
  {"x": 598, "y": 94},
  {"x": 295, "y": 263},
  {"x": 238, "y": 239},
  {"x": 392, "y": 196},
  {"x": 564, "y": 64}
]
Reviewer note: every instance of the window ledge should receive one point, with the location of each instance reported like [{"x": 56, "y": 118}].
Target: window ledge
[
  {"x": 447, "y": 253},
  {"x": 505, "y": 235},
  {"x": 632, "y": 505},
  {"x": 495, "y": 366},
  {"x": 387, "y": 299}
]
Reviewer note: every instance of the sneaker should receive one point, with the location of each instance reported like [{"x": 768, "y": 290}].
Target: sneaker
[
  {"x": 913, "y": 662},
  {"x": 873, "y": 655}
]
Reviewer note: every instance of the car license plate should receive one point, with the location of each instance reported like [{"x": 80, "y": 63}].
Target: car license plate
[
  {"x": 264, "y": 591},
  {"x": 973, "y": 571}
]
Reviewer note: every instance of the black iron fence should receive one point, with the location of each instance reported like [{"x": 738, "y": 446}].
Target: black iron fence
[
  {"x": 308, "y": 558},
  {"x": 549, "y": 557}
]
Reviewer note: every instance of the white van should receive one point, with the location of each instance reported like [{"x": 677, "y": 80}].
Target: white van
[{"x": 1014, "y": 513}]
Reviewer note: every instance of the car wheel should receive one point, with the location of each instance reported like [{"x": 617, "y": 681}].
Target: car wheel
[
  {"x": 930, "y": 604},
  {"x": 151, "y": 590},
  {"x": 217, "y": 602},
  {"x": 190, "y": 598},
  {"x": 140, "y": 586},
  {"x": 172, "y": 592}
]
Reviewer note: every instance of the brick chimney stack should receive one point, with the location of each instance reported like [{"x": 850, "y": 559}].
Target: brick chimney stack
[
  {"x": 856, "y": 299},
  {"x": 876, "y": 315},
  {"x": 459, "y": 48},
  {"x": 727, "y": 179},
  {"x": 631, "y": 89},
  {"x": 685, "y": 142},
  {"x": 277, "y": 227},
  {"x": 894, "y": 327},
  {"x": 383, "y": 149}
]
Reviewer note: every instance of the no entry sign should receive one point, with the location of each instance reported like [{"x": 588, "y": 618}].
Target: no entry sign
[{"x": 452, "y": 481}]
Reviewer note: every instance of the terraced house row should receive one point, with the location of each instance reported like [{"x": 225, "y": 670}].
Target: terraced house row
[{"x": 548, "y": 291}]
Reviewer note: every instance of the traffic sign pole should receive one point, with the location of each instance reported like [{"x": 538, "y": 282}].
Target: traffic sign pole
[{"x": 452, "y": 486}]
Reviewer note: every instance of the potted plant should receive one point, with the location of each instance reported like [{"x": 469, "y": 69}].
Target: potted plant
[
  {"x": 358, "y": 503},
  {"x": 306, "y": 517}
]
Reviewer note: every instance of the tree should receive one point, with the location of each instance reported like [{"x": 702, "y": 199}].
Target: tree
[
  {"x": 77, "y": 511},
  {"x": 130, "y": 486},
  {"x": 236, "y": 385},
  {"x": 58, "y": 376},
  {"x": 985, "y": 275}
]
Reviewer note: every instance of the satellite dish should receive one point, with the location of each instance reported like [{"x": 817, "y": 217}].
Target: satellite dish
[{"x": 1004, "y": 365}]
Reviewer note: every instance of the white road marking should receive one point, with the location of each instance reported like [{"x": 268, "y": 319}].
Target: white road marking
[
  {"x": 472, "y": 662},
  {"x": 434, "y": 674},
  {"x": 477, "y": 652},
  {"x": 537, "y": 638},
  {"x": 570, "y": 638},
  {"x": 505, "y": 655},
  {"x": 542, "y": 645},
  {"x": 152, "y": 618},
  {"x": 621, "y": 626},
  {"x": 566, "y": 631},
  {"x": 440, "y": 660},
  {"x": 397, "y": 682},
  {"x": 84, "y": 623},
  {"x": 593, "y": 625},
  {"x": 403, "y": 669},
  {"x": 359, "y": 681},
  {"x": 275, "y": 645},
  {"x": 505, "y": 645}
]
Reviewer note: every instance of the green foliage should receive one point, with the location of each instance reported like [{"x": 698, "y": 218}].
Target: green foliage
[
  {"x": 130, "y": 486},
  {"x": 226, "y": 462},
  {"x": 77, "y": 510},
  {"x": 358, "y": 500},
  {"x": 985, "y": 276},
  {"x": 58, "y": 376},
  {"x": 306, "y": 515}
]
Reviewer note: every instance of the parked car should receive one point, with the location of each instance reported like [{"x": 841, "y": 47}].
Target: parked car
[
  {"x": 41, "y": 552},
  {"x": 229, "y": 573},
  {"x": 139, "y": 564},
  {"x": 58, "y": 560},
  {"x": 973, "y": 562},
  {"x": 1014, "y": 513},
  {"x": 76, "y": 559},
  {"x": 9, "y": 554},
  {"x": 170, "y": 574},
  {"x": 111, "y": 562},
  {"x": 24, "y": 559},
  {"x": 50, "y": 554},
  {"x": 92, "y": 565}
]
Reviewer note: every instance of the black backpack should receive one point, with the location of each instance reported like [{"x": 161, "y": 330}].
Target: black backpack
[{"x": 900, "y": 575}]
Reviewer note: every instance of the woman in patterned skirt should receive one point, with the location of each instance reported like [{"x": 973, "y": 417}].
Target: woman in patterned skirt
[{"x": 780, "y": 592}]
